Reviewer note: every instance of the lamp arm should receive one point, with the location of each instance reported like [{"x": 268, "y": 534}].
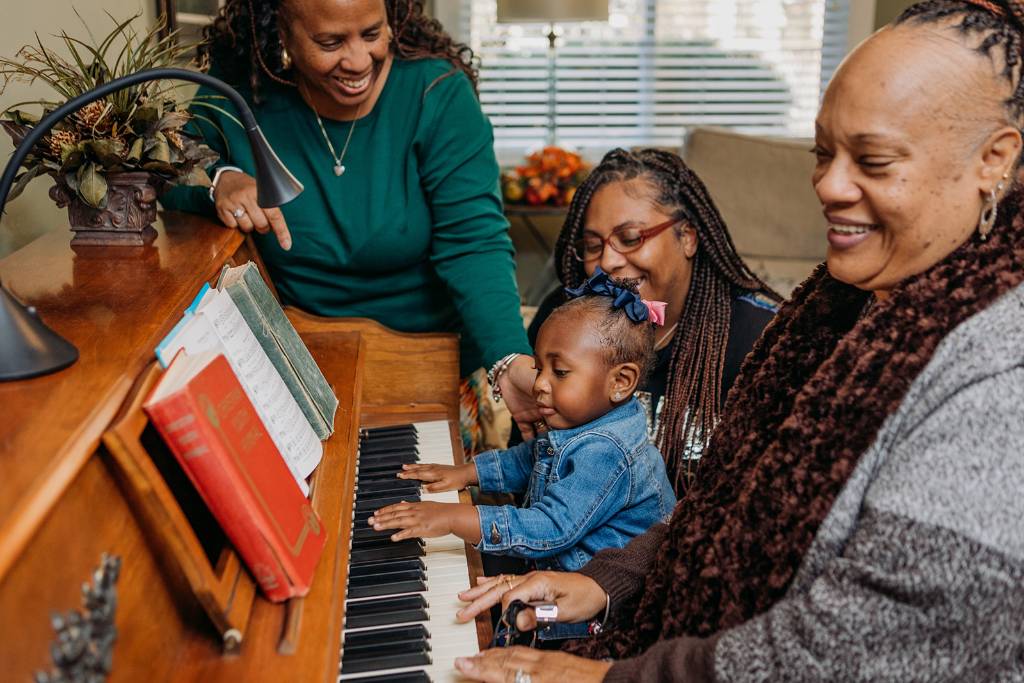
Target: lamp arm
[
  {"x": 27, "y": 347},
  {"x": 73, "y": 105}
]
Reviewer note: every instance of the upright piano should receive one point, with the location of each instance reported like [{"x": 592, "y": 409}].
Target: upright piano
[{"x": 182, "y": 607}]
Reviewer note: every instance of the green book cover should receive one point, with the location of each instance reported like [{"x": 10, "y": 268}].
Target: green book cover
[{"x": 282, "y": 344}]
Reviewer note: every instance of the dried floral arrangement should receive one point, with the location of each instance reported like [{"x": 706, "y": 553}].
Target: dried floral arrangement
[
  {"x": 550, "y": 177},
  {"x": 139, "y": 128}
]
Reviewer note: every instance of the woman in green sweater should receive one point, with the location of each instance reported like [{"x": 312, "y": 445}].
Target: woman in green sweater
[{"x": 372, "y": 106}]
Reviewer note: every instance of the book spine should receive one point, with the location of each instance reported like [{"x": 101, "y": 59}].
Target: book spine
[
  {"x": 295, "y": 350},
  {"x": 261, "y": 328},
  {"x": 179, "y": 420}
]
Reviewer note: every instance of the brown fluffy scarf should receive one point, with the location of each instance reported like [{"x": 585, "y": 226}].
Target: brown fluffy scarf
[{"x": 810, "y": 399}]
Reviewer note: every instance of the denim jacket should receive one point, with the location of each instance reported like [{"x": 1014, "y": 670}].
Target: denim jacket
[{"x": 591, "y": 487}]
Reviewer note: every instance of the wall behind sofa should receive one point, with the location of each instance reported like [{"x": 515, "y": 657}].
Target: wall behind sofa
[{"x": 762, "y": 187}]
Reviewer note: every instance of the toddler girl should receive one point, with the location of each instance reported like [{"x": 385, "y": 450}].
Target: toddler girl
[{"x": 592, "y": 480}]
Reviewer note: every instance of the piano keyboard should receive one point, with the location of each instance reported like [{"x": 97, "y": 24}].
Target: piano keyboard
[{"x": 400, "y": 609}]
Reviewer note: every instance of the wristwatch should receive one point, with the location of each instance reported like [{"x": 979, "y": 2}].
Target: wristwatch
[{"x": 216, "y": 178}]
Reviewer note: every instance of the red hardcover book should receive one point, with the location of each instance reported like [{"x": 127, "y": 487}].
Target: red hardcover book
[{"x": 204, "y": 415}]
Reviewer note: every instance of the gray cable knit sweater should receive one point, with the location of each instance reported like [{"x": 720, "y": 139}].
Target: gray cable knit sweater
[{"x": 917, "y": 573}]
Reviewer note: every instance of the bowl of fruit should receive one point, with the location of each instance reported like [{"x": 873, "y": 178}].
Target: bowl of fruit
[{"x": 549, "y": 177}]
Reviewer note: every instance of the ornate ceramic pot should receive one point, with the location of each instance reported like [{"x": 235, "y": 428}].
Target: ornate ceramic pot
[{"x": 127, "y": 218}]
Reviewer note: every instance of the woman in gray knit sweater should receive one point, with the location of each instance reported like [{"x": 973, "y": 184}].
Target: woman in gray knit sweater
[{"x": 858, "y": 512}]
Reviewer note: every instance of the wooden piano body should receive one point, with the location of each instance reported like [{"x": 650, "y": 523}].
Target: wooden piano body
[{"x": 63, "y": 499}]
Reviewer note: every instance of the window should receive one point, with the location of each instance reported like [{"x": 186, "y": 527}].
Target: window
[
  {"x": 656, "y": 68},
  {"x": 189, "y": 16}
]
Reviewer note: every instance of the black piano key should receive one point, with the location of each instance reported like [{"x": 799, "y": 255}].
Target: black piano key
[
  {"x": 393, "y": 483},
  {"x": 384, "y": 611},
  {"x": 382, "y": 461},
  {"x": 377, "y": 568},
  {"x": 377, "y": 474},
  {"x": 375, "y": 503},
  {"x": 389, "y": 444},
  {"x": 372, "y": 650},
  {"x": 374, "y": 542},
  {"x": 366, "y": 532},
  {"x": 386, "y": 577},
  {"x": 388, "y": 493},
  {"x": 404, "y": 677},
  {"x": 383, "y": 604},
  {"x": 403, "y": 655},
  {"x": 379, "y": 636},
  {"x": 382, "y": 474},
  {"x": 402, "y": 550},
  {"x": 381, "y": 481},
  {"x": 373, "y": 590},
  {"x": 386, "y": 488},
  {"x": 372, "y": 432},
  {"x": 380, "y": 471},
  {"x": 392, "y": 661},
  {"x": 387, "y": 462},
  {"x": 400, "y": 492}
]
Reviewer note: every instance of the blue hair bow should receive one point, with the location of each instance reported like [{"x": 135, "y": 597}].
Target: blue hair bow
[{"x": 638, "y": 310}]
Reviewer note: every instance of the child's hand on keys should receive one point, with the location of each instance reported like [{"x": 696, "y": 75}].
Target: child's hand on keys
[
  {"x": 428, "y": 520},
  {"x": 437, "y": 478}
]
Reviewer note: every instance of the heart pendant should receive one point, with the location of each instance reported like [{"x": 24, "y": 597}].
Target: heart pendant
[{"x": 338, "y": 169}]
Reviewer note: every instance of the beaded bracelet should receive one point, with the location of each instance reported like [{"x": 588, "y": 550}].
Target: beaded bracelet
[{"x": 496, "y": 371}]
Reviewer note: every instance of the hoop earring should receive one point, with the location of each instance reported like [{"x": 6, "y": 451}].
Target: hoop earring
[
  {"x": 286, "y": 59},
  {"x": 989, "y": 212}
]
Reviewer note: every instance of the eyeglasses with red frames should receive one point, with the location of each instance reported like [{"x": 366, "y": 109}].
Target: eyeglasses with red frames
[{"x": 622, "y": 240}]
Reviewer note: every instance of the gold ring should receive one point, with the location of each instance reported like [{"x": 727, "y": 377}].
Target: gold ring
[{"x": 508, "y": 582}]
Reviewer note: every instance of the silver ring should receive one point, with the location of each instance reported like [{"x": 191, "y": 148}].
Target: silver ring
[
  {"x": 522, "y": 677},
  {"x": 238, "y": 213}
]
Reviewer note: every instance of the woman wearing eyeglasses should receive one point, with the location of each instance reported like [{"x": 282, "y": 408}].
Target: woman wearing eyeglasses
[{"x": 645, "y": 215}]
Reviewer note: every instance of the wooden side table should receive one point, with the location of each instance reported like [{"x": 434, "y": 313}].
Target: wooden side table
[
  {"x": 527, "y": 214},
  {"x": 539, "y": 286}
]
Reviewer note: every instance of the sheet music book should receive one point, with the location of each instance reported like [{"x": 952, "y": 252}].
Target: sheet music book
[
  {"x": 202, "y": 411},
  {"x": 282, "y": 344},
  {"x": 217, "y": 324}
]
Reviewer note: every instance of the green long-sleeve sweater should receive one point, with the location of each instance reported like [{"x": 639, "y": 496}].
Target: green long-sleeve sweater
[{"x": 413, "y": 234}]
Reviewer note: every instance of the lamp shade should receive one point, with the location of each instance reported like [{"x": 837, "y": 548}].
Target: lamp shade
[
  {"x": 551, "y": 11},
  {"x": 27, "y": 346}
]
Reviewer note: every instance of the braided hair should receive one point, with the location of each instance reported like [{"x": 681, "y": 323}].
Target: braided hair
[
  {"x": 244, "y": 42},
  {"x": 1001, "y": 24},
  {"x": 698, "y": 346}
]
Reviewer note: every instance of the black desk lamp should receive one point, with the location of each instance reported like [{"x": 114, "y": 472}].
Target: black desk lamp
[{"x": 28, "y": 347}]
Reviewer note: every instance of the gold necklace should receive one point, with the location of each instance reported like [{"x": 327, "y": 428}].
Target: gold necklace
[
  {"x": 339, "y": 168},
  {"x": 661, "y": 341}
]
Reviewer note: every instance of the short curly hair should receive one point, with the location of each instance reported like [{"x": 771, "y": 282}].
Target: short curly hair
[{"x": 624, "y": 340}]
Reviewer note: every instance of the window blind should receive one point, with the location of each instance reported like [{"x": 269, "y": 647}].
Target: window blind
[{"x": 654, "y": 70}]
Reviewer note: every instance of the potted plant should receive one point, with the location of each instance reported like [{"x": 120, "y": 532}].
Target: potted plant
[{"x": 113, "y": 157}]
